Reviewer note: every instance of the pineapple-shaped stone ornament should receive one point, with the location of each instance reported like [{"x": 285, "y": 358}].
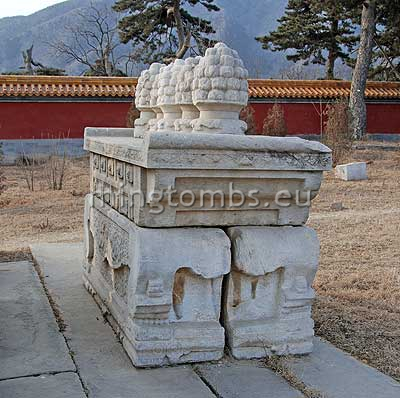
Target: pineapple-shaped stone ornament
[
  {"x": 155, "y": 70},
  {"x": 166, "y": 96},
  {"x": 184, "y": 96},
  {"x": 142, "y": 103},
  {"x": 220, "y": 91}
]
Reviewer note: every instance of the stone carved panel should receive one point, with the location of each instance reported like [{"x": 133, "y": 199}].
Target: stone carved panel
[{"x": 131, "y": 196}]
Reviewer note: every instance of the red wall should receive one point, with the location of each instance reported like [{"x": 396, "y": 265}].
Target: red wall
[
  {"x": 304, "y": 118},
  {"x": 26, "y": 120},
  {"x": 301, "y": 118},
  {"x": 383, "y": 118}
]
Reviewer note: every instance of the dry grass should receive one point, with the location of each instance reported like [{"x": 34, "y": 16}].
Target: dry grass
[
  {"x": 358, "y": 283},
  {"x": 43, "y": 215}
]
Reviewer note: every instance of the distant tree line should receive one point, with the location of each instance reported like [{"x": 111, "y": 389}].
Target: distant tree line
[{"x": 364, "y": 34}]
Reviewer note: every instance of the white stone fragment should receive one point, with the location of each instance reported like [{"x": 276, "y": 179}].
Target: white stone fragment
[
  {"x": 352, "y": 171},
  {"x": 268, "y": 295}
]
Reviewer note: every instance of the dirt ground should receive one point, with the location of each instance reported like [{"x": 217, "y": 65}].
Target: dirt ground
[{"x": 358, "y": 282}]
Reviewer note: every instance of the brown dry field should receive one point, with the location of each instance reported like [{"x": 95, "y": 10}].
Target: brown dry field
[{"x": 358, "y": 282}]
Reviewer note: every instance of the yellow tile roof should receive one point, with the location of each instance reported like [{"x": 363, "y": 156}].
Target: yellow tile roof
[
  {"x": 324, "y": 89},
  {"x": 71, "y": 86},
  {"x": 66, "y": 86}
]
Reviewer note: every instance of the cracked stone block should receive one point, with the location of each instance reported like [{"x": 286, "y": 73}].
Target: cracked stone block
[{"x": 268, "y": 294}]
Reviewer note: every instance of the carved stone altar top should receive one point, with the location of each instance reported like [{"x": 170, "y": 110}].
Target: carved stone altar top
[{"x": 199, "y": 151}]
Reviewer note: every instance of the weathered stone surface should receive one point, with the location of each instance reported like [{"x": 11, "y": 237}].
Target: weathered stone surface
[
  {"x": 352, "y": 171},
  {"x": 209, "y": 151},
  {"x": 154, "y": 70},
  {"x": 268, "y": 294},
  {"x": 105, "y": 369},
  {"x": 166, "y": 165},
  {"x": 163, "y": 286},
  {"x": 246, "y": 380},
  {"x": 337, "y": 374},
  {"x": 62, "y": 385},
  {"x": 30, "y": 342}
]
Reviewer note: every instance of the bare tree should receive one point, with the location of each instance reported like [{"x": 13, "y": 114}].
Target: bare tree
[
  {"x": 275, "y": 123},
  {"x": 299, "y": 71},
  {"x": 337, "y": 134},
  {"x": 28, "y": 164},
  {"x": 92, "y": 41},
  {"x": 247, "y": 115},
  {"x": 357, "y": 104},
  {"x": 29, "y": 63}
]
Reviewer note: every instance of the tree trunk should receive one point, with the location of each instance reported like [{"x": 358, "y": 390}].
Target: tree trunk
[
  {"x": 330, "y": 65},
  {"x": 183, "y": 38},
  {"x": 330, "y": 69},
  {"x": 357, "y": 104}
]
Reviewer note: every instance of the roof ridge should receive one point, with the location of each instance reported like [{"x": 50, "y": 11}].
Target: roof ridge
[{"x": 85, "y": 86}]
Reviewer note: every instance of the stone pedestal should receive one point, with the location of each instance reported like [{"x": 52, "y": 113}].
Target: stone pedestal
[
  {"x": 179, "y": 221},
  {"x": 162, "y": 286},
  {"x": 268, "y": 294}
]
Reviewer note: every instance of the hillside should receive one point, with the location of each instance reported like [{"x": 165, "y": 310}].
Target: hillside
[{"x": 237, "y": 24}]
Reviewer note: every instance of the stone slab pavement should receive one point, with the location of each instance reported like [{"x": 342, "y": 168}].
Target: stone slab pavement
[
  {"x": 339, "y": 375},
  {"x": 245, "y": 379},
  {"x": 104, "y": 370},
  {"x": 30, "y": 341},
  {"x": 34, "y": 358},
  {"x": 62, "y": 385}
]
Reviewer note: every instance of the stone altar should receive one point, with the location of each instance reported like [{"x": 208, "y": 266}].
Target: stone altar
[{"x": 195, "y": 232}]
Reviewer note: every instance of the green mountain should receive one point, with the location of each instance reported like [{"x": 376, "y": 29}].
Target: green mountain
[{"x": 237, "y": 24}]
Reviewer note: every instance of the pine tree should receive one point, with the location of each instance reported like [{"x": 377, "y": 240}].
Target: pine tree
[
  {"x": 164, "y": 30},
  {"x": 386, "y": 53},
  {"x": 314, "y": 31}
]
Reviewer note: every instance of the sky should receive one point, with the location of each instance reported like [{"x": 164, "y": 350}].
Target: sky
[{"x": 10, "y": 8}]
